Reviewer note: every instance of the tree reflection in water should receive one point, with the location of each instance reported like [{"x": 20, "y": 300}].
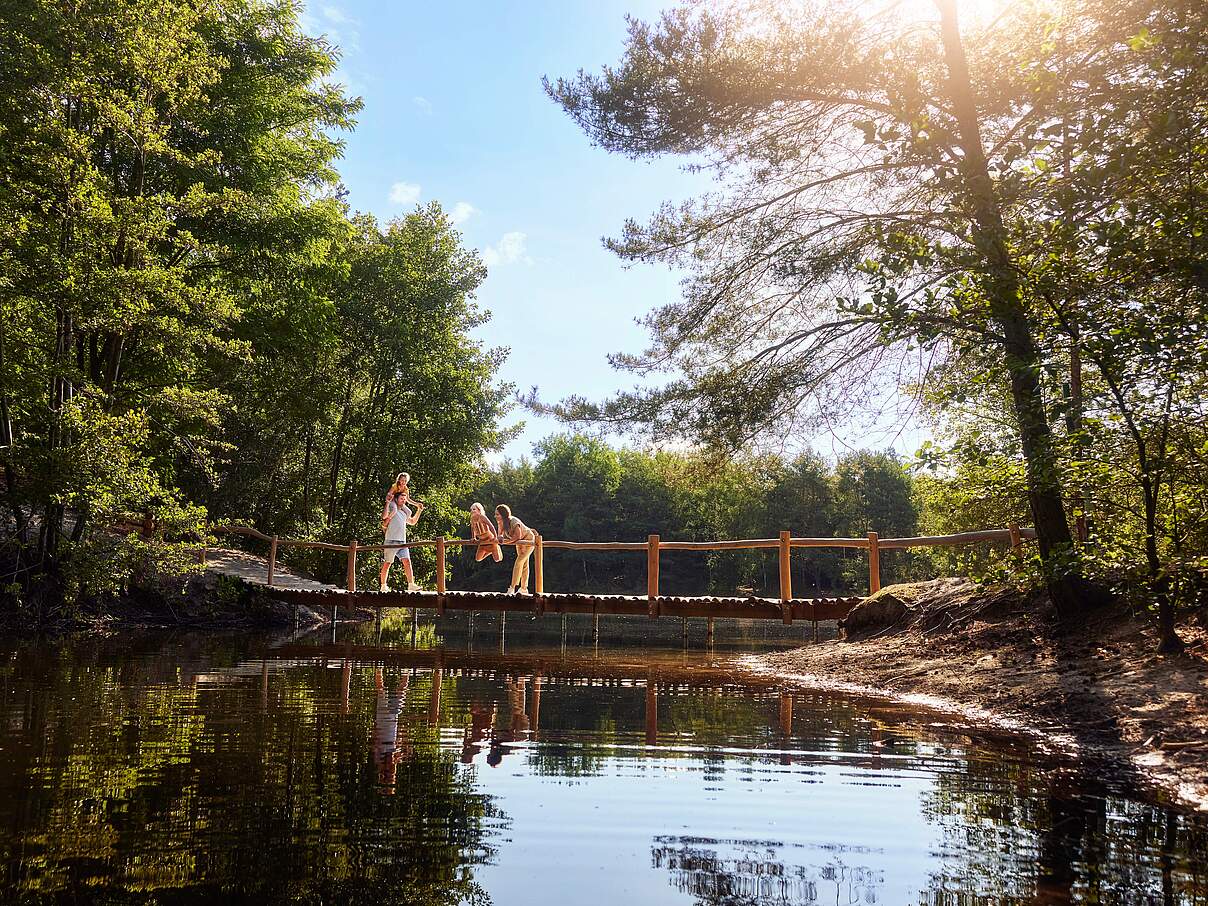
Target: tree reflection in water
[
  {"x": 183, "y": 770},
  {"x": 177, "y": 779}
]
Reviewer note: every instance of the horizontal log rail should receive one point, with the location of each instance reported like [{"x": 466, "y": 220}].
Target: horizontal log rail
[{"x": 655, "y": 603}]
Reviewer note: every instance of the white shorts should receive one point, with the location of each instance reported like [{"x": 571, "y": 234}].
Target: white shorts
[{"x": 391, "y": 554}]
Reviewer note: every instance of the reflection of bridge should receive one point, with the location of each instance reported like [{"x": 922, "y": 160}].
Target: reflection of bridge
[
  {"x": 785, "y": 607},
  {"x": 528, "y": 675},
  {"x": 531, "y": 674}
]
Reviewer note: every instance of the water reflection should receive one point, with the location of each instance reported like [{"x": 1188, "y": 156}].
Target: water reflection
[
  {"x": 193, "y": 769},
  {"x": 749, "y": 872}
]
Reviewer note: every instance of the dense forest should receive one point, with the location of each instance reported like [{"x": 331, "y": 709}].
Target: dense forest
[
  {"x": 194, "y": 323},
  {"x": 580, "y": 489},
  {"x": 1002, "y": 221}
]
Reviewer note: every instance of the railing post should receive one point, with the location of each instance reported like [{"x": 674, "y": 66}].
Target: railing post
[
  {"x": 874, "y": 563},
  {"x": 652, "y": 575},
  {"x": 351, "y": 577},
  {"x": 272, "y": 559},
  {"x": 1016, "y": 540},
  {"x": 786, "y": 575},
  {"x": 539, "y": 567},
  {"x": 440, "y": 565}
]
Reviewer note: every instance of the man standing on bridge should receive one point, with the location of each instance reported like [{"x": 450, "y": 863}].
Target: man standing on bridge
[{"x": 395, "y": 519}]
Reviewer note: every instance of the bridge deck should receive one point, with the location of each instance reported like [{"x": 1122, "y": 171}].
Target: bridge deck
[
  {"x": 298, "y": 590},
  {"x": 623, "y": 605}
]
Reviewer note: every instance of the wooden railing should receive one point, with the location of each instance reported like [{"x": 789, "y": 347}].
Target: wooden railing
[{"x": 654, "y": 547}]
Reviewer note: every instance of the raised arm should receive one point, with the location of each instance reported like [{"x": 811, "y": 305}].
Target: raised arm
[{"x": 419, "y": 509}]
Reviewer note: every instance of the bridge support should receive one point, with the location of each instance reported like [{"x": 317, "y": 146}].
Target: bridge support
[
  {"x": 874, "y": 563},
  {"x": 539, "y": 568},
  {"x": 440, "y": 572},
  {"x": 272, "y": 561},
  {"x": 652, "y": 575},
  {"x": 786, "y": 573}
]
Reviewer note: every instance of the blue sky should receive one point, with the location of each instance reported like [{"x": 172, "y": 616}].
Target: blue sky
[{"x": 454, "y": 111}]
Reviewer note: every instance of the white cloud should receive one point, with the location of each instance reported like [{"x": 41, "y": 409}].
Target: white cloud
[
  {"x": 463, "y": 211},
  {"x": 335, "y": 25},
  {"x": 406, "y": 193},
  {"x": 424, "y": 105},
  {"x": 508, "y": 250}
]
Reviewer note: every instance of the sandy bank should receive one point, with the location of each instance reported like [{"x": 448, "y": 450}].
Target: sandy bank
[{"x": 995, "y": 655}]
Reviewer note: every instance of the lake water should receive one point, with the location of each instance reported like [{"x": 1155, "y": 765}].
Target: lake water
[{"x": 179, "y": 769}]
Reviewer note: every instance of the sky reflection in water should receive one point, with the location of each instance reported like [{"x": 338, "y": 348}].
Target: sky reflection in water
[{"x": 193, "y": 768}]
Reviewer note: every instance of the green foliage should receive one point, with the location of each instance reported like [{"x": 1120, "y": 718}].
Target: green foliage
[
  {"x": 581, "y": 489},
  {"x": 1013, "y": 211},
  {"x": 189, "y": 315}
]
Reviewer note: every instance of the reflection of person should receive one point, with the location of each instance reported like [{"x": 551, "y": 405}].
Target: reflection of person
[
  {"x": 517, "y": 700},
  {"x": 482, "y": 721},
  {"x": 518, "y": 723},
  {"x": 483, "y": 532},
  {"x": 387, "y": 749},
  {"x": 513, "y": 531},
  {"x": 396, "y": 516}
]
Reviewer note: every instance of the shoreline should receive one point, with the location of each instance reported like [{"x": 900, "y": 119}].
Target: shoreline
[
  {"x": 994, "y": 663},
  {"x": 1101, "y": 695}
]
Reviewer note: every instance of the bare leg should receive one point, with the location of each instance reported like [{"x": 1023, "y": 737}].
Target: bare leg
[
  {"x": 408, "y": 572},
  {"x": 520, "y": 570},
  {"x": 385, "y": 573}
]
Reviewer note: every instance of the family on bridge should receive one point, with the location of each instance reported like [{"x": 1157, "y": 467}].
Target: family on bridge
[{"x": 508, "y": 529}]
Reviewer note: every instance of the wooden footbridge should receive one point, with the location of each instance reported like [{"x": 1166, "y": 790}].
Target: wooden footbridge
[{"x": 653, "y": 604}]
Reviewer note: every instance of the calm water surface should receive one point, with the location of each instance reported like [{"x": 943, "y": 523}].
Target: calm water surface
[{"x": 181, "y": 769}]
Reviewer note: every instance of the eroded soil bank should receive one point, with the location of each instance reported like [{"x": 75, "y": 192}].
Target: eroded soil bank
[
  {"x": 996, "y": 655},
  {"x": 206, "y": 601}
]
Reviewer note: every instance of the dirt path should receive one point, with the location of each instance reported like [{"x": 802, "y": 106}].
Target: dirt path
[
  {"x": 253, "y": 569},
  {"x": 1101, "y": 692}
]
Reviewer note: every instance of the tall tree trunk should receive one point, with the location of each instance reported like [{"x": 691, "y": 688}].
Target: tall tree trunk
[
  {"x": 1073, "y": 416},
  {"x": 310, "y": 444},
  {"x": 341, "y": 430},
  {"x": 59, "y": 395},
  {"x": 1021, "y": 356},
  {"x": 1168, "y": 639},
  {"x": 1074, "y": 427}
]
